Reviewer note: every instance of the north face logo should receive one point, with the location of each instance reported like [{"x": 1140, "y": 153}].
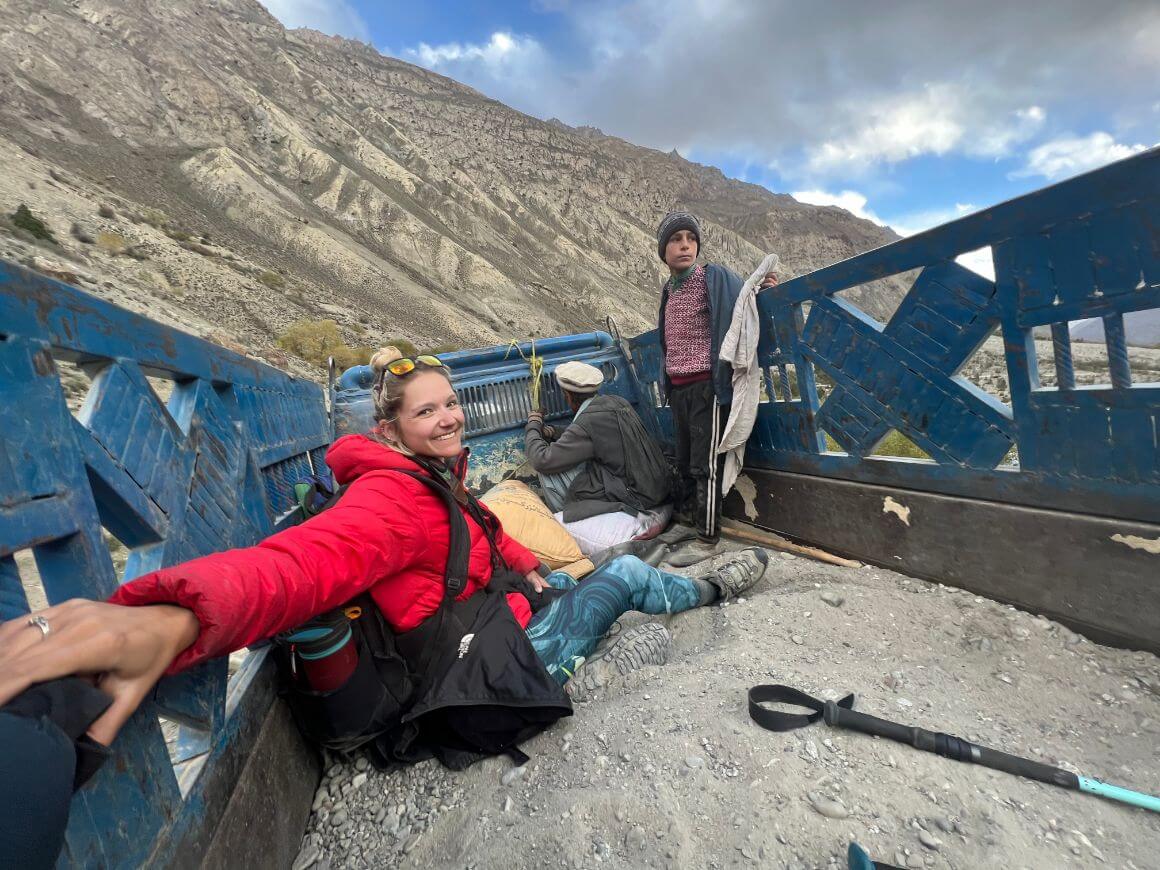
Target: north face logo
[{"x": 464, "y": 643}]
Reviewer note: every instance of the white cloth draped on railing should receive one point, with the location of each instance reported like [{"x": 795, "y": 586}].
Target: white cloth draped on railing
[{"x": 739, "y": 349}]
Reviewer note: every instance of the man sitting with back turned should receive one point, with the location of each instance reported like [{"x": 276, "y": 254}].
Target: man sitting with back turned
[{"x": 604, "y": 461}]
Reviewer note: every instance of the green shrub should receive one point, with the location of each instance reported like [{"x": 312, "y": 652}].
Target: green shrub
[
  {"x": 153, "y": 217},
  {"x": 112, "y": 243},
  {"x": 442, "y": 348},
  {"x": 897, "y": 444},
  {"x": 272, "y": 280},
  {"x": 317, "y": 340},
  {"x": 894, "y": 444},
  {"x": 25, "y": 220}
]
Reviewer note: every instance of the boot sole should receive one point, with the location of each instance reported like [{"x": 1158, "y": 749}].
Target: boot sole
[{"x": 647, "y": 644}]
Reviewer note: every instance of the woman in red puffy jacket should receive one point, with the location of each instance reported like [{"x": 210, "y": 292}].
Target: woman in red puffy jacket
[{"x": 388, "y": 534}]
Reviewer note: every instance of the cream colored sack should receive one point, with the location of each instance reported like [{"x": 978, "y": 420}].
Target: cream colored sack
[{"x": 528, "y": 520}]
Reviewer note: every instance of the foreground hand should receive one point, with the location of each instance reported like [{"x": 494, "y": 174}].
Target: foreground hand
[
  {"x": 126, "y": 650},
  {"x": 536, "y": 419},
  {"x": 770, "y": 280},
  {"x": 538, "y": 582}
]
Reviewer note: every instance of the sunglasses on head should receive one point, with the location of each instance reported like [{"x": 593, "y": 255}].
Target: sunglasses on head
[{"x": 406, "y": 365}]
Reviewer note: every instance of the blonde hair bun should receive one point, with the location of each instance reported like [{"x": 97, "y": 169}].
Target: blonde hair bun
[{"x": 383, "y": 357}]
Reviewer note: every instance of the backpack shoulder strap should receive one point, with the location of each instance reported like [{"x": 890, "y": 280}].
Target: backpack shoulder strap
[{"x": 459, "y": 547}]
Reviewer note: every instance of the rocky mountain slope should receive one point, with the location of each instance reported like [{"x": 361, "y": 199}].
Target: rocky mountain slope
[{"x": 197, "y": 161}]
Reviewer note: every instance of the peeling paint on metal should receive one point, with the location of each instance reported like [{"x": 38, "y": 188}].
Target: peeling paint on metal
[
  {"x": 748, "y": 492},
  {"x": 890, "y": 506},
  {"x": 1138, "y": 543}
]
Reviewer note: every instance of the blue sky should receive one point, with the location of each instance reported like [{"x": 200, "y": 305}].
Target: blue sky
[{"x": 909, "y": 113}]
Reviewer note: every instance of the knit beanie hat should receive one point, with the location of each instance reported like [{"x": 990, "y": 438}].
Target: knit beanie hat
[{"x": 673, "y": 221}]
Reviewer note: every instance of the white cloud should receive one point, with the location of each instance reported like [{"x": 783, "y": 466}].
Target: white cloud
[
  {"x": 937, "y": 120},
  {"x": 505, "y": 67},
  {"x": 794, "y": 86},
  {"x": 850, "y": 200},
  {"x": 998, "y": 140},
  {"x": 335, "y": 17},
  {"x": 1063, "y": 158},
  {"x": 895, "y": 130},
  {"x": 912, "y": 223},
  {"x": 500, "y": 50}
]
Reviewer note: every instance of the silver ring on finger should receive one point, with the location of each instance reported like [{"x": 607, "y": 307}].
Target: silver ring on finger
[{"x": 41, "y": 623}]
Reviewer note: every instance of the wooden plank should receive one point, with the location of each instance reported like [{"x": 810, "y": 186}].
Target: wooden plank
[
  {"x": 772, "y": 541},
  {"x": 1116, "y": 499},
  {"x": 35, "y": 522},
  {"x": 1044, "y": 561},
  {"x": 70, "y": 320},
  {"x": 126, "y": 509}
]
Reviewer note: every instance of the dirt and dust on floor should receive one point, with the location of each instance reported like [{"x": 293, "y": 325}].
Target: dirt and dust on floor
[{"x": 666, "y": 769}]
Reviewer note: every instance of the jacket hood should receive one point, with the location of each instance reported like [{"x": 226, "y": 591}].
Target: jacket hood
[{"x": 354, "y": 455}]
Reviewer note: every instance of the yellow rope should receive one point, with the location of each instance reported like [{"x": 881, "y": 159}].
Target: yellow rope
[{"x": 535, "y": 369}]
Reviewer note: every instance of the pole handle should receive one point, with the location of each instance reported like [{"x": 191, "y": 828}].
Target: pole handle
[
  {"x": 867, "y": 724},
  {"x": 949, "y": 746}
]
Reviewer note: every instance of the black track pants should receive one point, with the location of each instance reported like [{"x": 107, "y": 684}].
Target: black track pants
[{"x": 699, "y": 421}]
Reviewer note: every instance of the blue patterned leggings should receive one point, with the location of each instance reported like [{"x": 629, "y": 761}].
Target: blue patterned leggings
[{"x": 569, "y": 629}]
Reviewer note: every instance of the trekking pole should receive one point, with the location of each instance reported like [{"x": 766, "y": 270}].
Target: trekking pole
[{"x": 840, "y": 715}]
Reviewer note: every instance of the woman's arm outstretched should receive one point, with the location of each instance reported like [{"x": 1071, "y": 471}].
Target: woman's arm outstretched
[{"x": 211, "y": 606}]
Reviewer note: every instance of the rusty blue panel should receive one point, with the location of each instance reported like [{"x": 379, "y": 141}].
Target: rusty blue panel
[
  {"x": 1116, "y": 241},
  {"x": 168, "y": 483},
  {"x": 1055, "y": 252},
  {"x": 939, "y": 413},
  {"x": 1127, "y": 182}
]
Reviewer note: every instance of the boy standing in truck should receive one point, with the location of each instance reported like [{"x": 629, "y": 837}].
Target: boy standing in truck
[{"x": 696, "y": 309}]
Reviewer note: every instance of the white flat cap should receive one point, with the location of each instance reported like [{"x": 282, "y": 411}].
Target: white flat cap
[{"x": 578, "y": 377}]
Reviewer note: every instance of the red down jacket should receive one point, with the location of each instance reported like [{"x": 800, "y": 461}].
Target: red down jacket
[{"x": 388, "y": 533}]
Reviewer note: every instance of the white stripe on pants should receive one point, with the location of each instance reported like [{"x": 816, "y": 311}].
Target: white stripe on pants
[{"x": 711, "y": 496}]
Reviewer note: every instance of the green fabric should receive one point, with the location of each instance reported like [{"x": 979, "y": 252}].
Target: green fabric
[{"x": 677, "y": 280}]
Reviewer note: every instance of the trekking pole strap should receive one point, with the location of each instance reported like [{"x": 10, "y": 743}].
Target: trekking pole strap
[{"x": 776, "y": 720}]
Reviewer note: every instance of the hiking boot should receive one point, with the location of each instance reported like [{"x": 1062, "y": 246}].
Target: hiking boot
[
  {"x": 738, "y": 573},
  {"x": 646, "y": 644},
  {"x": 693, "y": 552}
]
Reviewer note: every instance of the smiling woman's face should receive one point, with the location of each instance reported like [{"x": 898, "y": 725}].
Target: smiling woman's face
[{"x": 430, "y": 420}]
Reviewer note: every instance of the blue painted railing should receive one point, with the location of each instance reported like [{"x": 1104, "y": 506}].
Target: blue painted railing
[
  {"x": 494, "y": 386},
  {"x": 1088, "y": 247},
  {"x": 207, "y": 470}
]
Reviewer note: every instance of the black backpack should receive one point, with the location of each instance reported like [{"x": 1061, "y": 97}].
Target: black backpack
[{"x": 418, "y": 694}]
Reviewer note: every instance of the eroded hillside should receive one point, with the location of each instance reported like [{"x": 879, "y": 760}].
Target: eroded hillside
[{"x": 200, "y": 162}]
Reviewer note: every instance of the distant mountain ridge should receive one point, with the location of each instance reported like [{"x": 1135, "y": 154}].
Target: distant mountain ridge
[
  {"x": 1141, "y": 329},
  {"x": 238, "y": 177}
]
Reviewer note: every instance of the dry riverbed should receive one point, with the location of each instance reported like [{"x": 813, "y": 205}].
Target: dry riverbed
[{"x": 667, "y": 770}]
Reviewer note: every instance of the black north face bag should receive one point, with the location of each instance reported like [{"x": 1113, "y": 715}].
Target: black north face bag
[{"x": 463, "y": 685}]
